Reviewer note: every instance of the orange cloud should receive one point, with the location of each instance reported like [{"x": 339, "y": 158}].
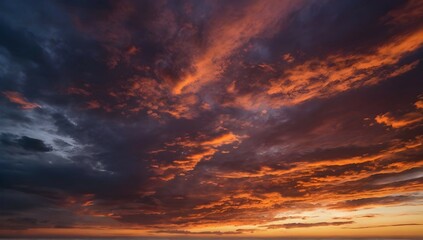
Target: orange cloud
[
  {"x": 227, "y": 35},
  {"x": 401, "y": 121},
  {"x": 411, "y": 12},
  {"x": 77, "y": 91},
  {"x": 307, "y": 225},
  {"x": 389, "y": 225},
  {"x": 196, "y": 151},
  {"x": 227, "y": 138},
  {"x": 17, "y": 98},
  {"x": 419, "y": 104},
  {"x": 94, "y": 104},
  {"x": 398, "y": 122},
  {"x": 322, "y": 78},
  {"x": 322, "y": 184},
  {"x": 338, "y": 73},
  {"x": 153, "y": 97},
  {"x": 132, "y": 50}
]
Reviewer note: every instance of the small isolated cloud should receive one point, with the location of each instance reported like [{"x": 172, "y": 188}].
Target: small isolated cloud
[
  {"x": 17, "y": 98},
  {"x": 404, "y": 120}
]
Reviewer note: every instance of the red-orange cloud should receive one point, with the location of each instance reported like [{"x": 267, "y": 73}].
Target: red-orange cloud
[{"x": 17, "y": 98}]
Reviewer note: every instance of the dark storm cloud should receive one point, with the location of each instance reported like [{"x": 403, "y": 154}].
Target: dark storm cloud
[
  {"x": 27, "y": 143},
  {"x": 16, "y": 40},
  {"x": 32, "y": 144},
  {"x": 168, "y": 114}
]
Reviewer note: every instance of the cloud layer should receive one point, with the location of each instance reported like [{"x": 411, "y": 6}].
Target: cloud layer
[{"x": 211, "y": 118}]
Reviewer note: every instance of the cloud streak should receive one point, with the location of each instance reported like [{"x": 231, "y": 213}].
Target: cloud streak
[{"x": 17, "y": 98}]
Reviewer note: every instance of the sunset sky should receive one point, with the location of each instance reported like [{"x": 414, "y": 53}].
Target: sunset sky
[{"x": 205, "y": 119}]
